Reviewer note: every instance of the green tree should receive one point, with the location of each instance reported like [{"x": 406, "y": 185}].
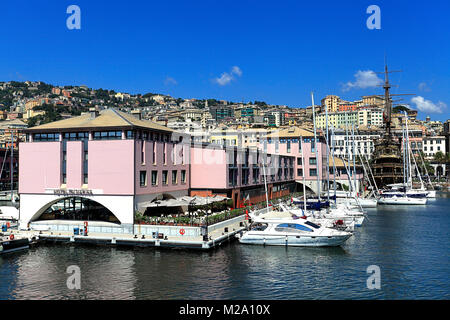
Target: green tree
[{"x": 439, "y": 157}]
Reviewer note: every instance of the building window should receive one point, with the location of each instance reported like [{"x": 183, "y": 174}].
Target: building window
[
  {"x": 107, "y": 135},
  {"x": 45, "y": 137},
  {"x": 85, "y": 178},
  {"x": 64, "y": 178},
  {"x": 130, "y": 134},
  {"x": 299, "y": 172},
  {"x": 183, "y": 176},
  {"x": 143, "y": 178},
  {"x": 313, "y": 172},
  {"x": 164, "y": 177},
  {"x": 289, "y": 146},
  {"x": 76, "y": 136},
  {"x": 312, "y": 161},
  {"x": 255, "y": 175},
  {"x": 164, "y": 153},
  {"x": 299, "y": 161},
  {"x": 174, "y": 176},
  {"x": 143, "y": 153},
  {"x": 154, "y": 178}
]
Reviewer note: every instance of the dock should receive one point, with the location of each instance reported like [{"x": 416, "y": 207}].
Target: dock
[{"x": 186, "y": 237}]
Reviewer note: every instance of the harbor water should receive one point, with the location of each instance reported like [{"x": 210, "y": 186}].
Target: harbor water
[{"x": 409, "y": 244}]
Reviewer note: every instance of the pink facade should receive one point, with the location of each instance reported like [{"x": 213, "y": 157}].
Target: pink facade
[
  {"x": 110, "y": 166},
  {"x": 165, "y": 159},
  {"x": 39, "y": 166},
  {"x": 208, "y": 168},
  {"x": 228, "y": 168},
  {"x": 114, "y": 167},
  {"x": 310, "y": 161},
  {"x": 74, "y": 164}
]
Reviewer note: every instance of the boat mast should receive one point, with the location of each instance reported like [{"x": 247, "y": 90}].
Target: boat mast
[
  {"x": 303, "y": 174},
  {"x": 370, "y": 171},
  {"x": 347, "y": 151},
  {"x": 334, "y": 165},
  {"x": 328, "y": 158},
  {"x": 316, "y": 147},
  {"x": 354, "y": 159},
  {"x": 426, "y": 171},
  {"x": 265, "y": 182},
  {"x": 12, "y": 167},
  {"x": 404, "y": 157},
  {"x": 409, "y": 159}
]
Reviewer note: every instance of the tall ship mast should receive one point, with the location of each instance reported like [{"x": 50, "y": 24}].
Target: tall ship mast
[{"x": 387, "y": 165}]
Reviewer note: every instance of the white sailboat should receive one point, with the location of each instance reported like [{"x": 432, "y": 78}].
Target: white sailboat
[
  {"x": 282, "y": 228},
  {"x": 403, "y": 194}
]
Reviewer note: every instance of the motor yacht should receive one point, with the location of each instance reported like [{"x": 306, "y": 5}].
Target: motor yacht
[
  {"x": 402, "y": 200},
  {"x": 291, "y": 232}
]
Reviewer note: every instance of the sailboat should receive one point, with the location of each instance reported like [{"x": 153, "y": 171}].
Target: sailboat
[
  {"x": 346, "y": 211},
  {"x": 403, "y": 194},
  {"x": 284, "y": 229}
]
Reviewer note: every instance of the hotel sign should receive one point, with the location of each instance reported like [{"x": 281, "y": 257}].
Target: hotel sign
[{"x": 73, "y": 192}]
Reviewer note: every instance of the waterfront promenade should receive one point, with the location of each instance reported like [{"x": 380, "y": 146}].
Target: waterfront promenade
[{"x": 141, "y": 235}]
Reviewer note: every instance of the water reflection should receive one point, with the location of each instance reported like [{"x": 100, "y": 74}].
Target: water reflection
[{"x": 407, "y": 243}]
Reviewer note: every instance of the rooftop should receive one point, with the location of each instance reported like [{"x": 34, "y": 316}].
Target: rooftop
[
  {"x": 291, "y": 132},
  {"x": 108, "y": 118}
]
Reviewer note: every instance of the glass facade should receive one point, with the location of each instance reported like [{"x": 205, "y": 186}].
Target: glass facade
[
  {"x": 107, "y": 135},
  {"x": 45, "y": 137}
]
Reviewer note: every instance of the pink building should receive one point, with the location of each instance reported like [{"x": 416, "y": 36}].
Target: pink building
[
  {"x": 311, "y": 163},
  {"x": 111, "y": 163},
  {"x": 239, "y": 173}
]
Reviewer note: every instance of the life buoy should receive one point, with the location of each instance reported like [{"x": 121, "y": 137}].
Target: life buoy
[
  {"x": 182, "y": 231},
  {"x": 11, "y": 237}
]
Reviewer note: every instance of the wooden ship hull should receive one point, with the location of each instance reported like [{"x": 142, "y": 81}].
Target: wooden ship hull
[{"x": 387, "y": 165}]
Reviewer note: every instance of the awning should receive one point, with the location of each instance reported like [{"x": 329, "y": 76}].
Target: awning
[{"x": 182, "y": 201}]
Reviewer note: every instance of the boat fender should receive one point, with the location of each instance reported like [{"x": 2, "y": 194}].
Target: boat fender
[{"x": 11, "y": 237}]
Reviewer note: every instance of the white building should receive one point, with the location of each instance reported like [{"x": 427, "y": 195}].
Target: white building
[
  {"x": 342, "y": 144},
  {"x": 370, "y": 116},
  {"x": 432, "y": 145}
]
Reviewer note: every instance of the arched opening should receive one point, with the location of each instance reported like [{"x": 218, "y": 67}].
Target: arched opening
[
  {"x": 77, "y": 208},
  {"x": 439, "y": 171}
]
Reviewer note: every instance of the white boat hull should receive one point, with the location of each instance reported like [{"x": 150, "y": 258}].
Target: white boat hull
[
  {"x": 365, "y": 203},
  {"x": 293, "y": 240},
  {"x": 402, "y": 201}
]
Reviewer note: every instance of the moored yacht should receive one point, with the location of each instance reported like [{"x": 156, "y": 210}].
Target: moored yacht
[
  {"x": 292, "y": 232},
  {"x": 402, "y": 200},
  {"x": 10, "y": 244}
]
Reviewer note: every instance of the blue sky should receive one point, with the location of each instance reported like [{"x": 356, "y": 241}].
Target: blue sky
[{"x": 277, "y": 51}]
